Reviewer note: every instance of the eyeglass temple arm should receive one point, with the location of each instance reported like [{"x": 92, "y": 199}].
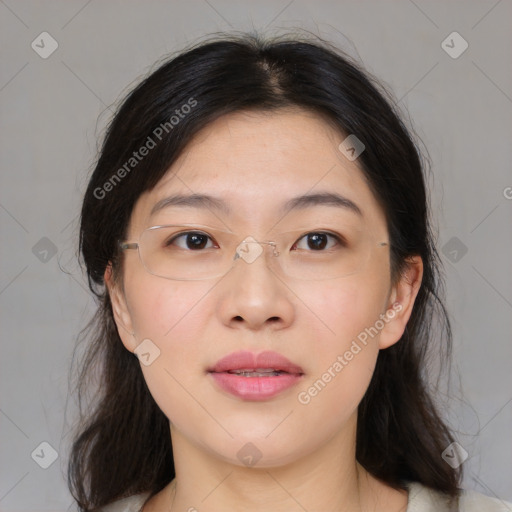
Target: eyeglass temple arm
[{"x": 128, "y": 245}]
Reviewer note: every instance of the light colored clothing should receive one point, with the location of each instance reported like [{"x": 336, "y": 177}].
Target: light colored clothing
[{"x": 421, "y": 499}]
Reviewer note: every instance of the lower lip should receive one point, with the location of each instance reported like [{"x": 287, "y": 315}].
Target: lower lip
[{"x": 255, "y": 388}]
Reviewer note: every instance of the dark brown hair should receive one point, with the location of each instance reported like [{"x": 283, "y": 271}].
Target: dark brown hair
[{"x": 122, "y": 444}]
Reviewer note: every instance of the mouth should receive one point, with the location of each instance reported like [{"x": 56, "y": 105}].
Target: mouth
[
  {"x": 255, "y": 377},
  {"x": 258, "y": 372}
]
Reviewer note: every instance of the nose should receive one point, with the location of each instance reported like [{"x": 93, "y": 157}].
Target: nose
[{"x": 252, "y": 293}]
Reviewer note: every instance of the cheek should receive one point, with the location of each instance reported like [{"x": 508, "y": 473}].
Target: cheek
[
  {"x": 160, "y": 307},
  {"x": 170, "y": 314},
  {"x": 347, "y": 349},
  {"x": 343, "y": 308}
]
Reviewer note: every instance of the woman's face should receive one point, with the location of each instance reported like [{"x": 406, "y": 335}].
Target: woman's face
[{"x": 330, "y": 330}]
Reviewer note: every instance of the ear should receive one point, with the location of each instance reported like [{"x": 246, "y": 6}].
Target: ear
[
  {"x": 120, "y": 309},
  {"x": 401, "y": 302}
]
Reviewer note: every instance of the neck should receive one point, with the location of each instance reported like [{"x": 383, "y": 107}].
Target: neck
[{"x": 328, "y": 479}]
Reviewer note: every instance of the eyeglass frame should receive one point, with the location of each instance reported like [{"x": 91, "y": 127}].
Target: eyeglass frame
[{"x": 126, "y": 245}]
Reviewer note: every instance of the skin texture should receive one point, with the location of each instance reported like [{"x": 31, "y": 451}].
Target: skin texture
[{"x": 255, "y": 162}]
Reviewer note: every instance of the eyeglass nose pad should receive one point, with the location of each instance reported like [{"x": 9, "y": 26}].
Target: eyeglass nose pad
[{"x": 250, "y": 249}]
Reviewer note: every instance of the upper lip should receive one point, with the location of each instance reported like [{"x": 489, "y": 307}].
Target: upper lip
[{"x": 244, "y": 360}]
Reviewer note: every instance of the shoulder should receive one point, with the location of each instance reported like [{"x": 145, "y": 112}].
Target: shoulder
[
  {"x": 129, "y": 504},
  {"x": 423, "y": 499},
  {"x": 472, "y": 501}
]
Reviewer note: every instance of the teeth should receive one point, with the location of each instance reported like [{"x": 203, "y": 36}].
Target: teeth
[{"x": 258, "y": 372}]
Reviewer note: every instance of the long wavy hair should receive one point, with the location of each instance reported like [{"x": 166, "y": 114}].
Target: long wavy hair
[{"x": 121, "y": 444}]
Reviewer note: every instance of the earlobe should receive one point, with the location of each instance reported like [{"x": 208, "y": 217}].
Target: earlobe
[
  {"x": 120, "y": 310},
  {"x": 402, "y": 298}
]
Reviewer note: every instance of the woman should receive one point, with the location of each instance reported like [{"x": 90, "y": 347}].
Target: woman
[{"x": 257, "y": 233}]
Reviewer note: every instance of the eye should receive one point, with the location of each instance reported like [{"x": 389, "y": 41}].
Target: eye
[
  {"x": 191, "y": 240},
  {"x": 318, "y": 241}
]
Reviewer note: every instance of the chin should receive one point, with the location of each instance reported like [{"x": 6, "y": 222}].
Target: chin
[{"x": 251, "y": 449}]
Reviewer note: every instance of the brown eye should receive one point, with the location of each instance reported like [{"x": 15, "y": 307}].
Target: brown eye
[
  {"x": 317, "y": 241},
  {"x": 191, "y": 241}
]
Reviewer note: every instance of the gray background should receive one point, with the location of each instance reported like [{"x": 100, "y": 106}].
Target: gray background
[{"x": 53, "y": 110}]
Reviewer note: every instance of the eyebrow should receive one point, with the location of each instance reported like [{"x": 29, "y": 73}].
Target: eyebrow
[{"x": 204, "y": 201}]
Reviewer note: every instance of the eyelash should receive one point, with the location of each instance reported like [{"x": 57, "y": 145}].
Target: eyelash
[{"x": 338, "y": 238}]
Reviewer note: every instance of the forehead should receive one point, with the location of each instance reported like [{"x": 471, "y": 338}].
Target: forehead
[{"x": 255, "y": 162}]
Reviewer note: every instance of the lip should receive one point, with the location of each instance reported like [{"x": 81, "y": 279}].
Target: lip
[{"x": 255, "y": 388}]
